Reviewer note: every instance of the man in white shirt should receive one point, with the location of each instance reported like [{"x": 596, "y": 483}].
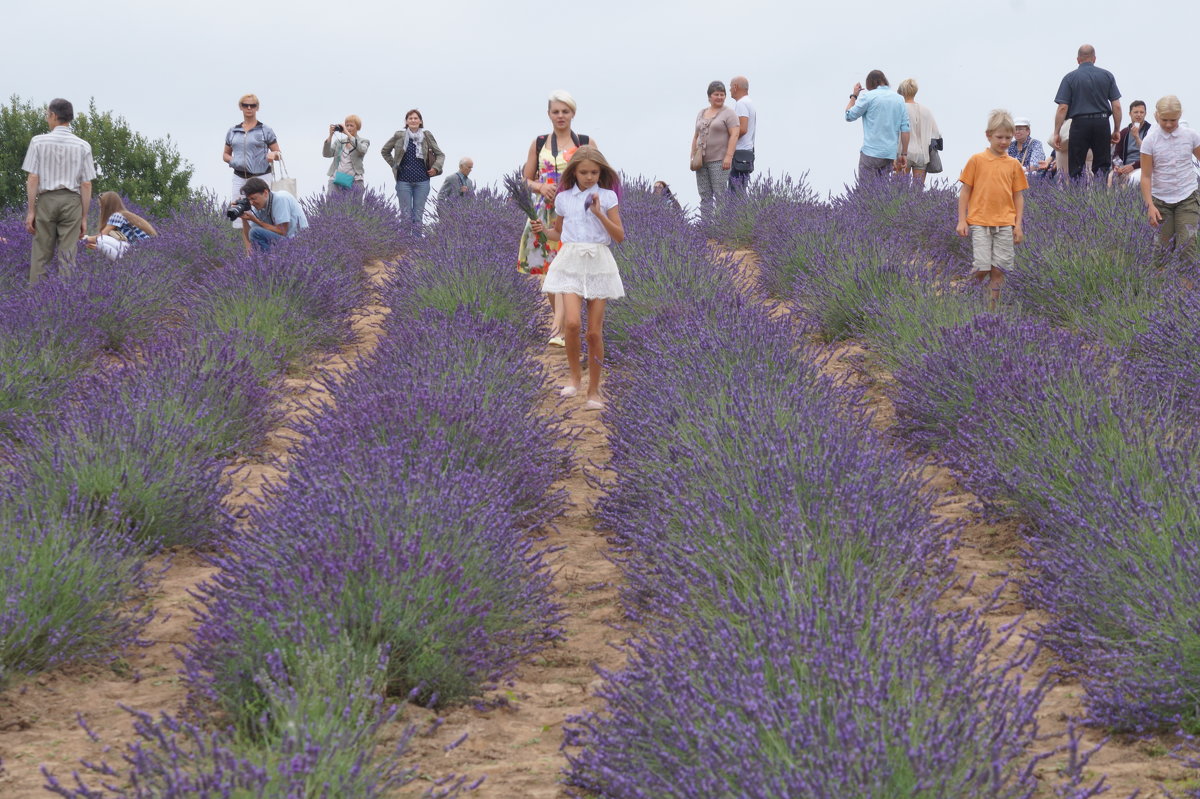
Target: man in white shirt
[
  {"x": 59, "y": 189},
  {"x": 743, "y": 155}
]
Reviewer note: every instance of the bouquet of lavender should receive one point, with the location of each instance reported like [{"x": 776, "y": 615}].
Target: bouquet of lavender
[{"x": 518, "y": 192}]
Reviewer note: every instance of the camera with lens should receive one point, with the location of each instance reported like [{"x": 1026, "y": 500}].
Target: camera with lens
[
  {"x": 339, "y": 128},
  {"x": 237, "y": 208}
]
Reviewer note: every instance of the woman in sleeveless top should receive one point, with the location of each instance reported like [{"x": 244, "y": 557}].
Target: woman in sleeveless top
[
  {"x": 923, "y": 129},
  {"x": 547, "y": 158}
]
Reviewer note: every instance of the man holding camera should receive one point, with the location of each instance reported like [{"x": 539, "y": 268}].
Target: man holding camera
[{"x": 271, "y": 216}]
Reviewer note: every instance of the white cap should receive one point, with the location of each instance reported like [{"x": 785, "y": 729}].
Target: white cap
[{"x": 1021, "y": 121}]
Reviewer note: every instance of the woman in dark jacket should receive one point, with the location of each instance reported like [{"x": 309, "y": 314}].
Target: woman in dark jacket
[{"x": 414, "y": 156}]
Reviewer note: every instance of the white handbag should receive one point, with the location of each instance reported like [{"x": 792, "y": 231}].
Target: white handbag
[{"x": 281, "y": 181}]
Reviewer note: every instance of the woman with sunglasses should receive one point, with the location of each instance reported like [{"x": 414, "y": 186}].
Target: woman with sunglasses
[{"x": 250, "y": 147}]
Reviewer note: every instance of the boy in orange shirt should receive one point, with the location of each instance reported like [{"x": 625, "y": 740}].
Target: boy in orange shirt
[{"x": 991, "y": 205}]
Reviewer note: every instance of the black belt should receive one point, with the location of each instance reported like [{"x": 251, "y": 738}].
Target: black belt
[
  {"x": 244, "y": 175},
  {"x": 1091, "y": 116}
]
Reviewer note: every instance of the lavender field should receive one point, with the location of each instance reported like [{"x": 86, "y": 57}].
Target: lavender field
[{"x": 315, "y": 524}]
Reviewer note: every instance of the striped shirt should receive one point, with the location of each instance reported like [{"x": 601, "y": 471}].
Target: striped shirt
[{"x": 60, "y": 159}]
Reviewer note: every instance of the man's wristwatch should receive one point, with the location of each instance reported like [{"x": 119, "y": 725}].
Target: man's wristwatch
[{"x": 854, "y": 97}]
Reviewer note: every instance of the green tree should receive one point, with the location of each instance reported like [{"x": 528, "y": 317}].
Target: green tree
[{"x": 149, "y": 172}]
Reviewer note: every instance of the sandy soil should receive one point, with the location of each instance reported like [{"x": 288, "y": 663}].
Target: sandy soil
[
  {"x": 989, "y": 564},
  {"x": 516, "y": 747},
  {"x": 39, "y": 716}
]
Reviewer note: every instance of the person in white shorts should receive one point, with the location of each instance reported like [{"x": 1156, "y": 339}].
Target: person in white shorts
[{"x": 587, "y": 221}]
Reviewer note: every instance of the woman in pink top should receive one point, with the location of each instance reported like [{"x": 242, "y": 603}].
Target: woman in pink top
[{"x": 715, "y": 138}]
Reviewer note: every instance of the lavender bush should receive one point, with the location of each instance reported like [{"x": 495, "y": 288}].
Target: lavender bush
[
  {"x": 365, "y": 219},
  {"x": 325, "y": 744},
  {"x": 131, "y": 466},
  {"x": 413, "y": 497},
  {"x": 842, "y": 695},
  {"x": 204, "y": 382},
  {"x": 14, "y": 252},
  {"x": 710, "y": 484},
  {"x": 289, "y": 297},
  {"x": 42, "y": 354},
  {"x": 72, "y": 587},
  {"x": 1163, "y": 354}
]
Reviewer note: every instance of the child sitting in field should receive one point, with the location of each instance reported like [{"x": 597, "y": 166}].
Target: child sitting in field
[
  {"x": 587, "y": 221},
  {"x": 121, "y": 228},
  {"x": 1168, "y": 179},
  {"x": 991, "y": 205}
]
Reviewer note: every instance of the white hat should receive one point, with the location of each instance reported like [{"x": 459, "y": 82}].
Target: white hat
[{"x": 1021, "y": 121}]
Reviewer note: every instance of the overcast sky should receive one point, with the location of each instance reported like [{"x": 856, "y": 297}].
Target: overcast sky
[{"x": 480, "y": 71}]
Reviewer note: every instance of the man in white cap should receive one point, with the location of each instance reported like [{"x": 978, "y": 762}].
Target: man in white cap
[{"x": 1025, "y": 148}]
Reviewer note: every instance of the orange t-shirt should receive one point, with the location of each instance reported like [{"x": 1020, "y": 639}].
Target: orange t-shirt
[{"x": 993, "y": 179}]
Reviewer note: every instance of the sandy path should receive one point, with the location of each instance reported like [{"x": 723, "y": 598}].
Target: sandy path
[
  {"x": 988, "y": 560},
  {"x": 517, "y": 747},
  {"x": 39, "y": 715}
]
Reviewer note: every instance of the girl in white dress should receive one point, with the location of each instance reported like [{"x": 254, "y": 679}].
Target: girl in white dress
[{"x": 587, "y": 221}]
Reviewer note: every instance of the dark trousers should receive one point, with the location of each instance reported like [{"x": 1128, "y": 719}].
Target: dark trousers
[{"x": 1089, "y": 133}]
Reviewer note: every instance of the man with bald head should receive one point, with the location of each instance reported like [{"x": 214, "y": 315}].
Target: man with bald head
[
  {"x": 743, "y": 155},
  {"x": 1088, "y": 96}
]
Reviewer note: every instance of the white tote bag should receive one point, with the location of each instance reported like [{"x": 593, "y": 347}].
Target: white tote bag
[{"x": 281, "y": 181}]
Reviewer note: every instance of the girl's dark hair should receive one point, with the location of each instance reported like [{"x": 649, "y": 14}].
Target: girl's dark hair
[{"x": 609, "y": 179}]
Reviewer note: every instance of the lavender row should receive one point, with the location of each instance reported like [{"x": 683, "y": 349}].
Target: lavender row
[
  {"x": 124, "y": 403},
  {"x": 1087, "y": 433},
  {"x": 1108, "y": 477},
  {"x": 401, "y": 559},
  {"x": 788, "y": 570}
]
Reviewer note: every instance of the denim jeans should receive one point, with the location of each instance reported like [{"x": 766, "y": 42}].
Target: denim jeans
[
  {"x": 412, "y": 197},
  {"x": 262, "y": 239}
]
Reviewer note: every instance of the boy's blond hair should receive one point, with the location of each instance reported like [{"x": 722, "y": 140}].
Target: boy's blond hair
[
  {"x": 1000, "y": 120},
  {"x": 1168, "y": 105}
]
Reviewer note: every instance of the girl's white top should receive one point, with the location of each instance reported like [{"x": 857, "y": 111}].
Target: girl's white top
[{"x": 580, "y": 225}]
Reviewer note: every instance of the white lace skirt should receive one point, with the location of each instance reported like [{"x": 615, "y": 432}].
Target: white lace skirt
[{"x": 588, "y": 270}]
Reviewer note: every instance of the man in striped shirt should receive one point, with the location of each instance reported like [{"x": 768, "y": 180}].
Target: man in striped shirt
[{"x": 59, "y": 186}]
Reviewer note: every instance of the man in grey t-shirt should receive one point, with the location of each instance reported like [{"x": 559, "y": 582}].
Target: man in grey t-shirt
[{"x": 743, "y": 155}]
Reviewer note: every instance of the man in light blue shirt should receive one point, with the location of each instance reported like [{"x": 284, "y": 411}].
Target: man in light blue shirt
[
  {"x": 273, "y": 215},
  {"x": 885, "y": 125}
]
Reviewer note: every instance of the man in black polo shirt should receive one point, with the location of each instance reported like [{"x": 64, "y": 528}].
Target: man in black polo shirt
[{"x": 1088, "y": 96}]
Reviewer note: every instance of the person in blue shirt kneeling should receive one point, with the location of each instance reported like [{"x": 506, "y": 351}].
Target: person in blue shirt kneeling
[{"x": 272, "y": 216}]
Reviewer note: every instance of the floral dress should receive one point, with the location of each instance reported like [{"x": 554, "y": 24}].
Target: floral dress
[{"x": 536, "y": 252}]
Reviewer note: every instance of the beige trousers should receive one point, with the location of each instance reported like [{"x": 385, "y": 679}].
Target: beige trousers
[{"x": 57, "y": 219}]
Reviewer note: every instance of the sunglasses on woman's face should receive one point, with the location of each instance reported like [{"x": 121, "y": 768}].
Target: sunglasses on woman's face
[{"x": 249, "y": 105}]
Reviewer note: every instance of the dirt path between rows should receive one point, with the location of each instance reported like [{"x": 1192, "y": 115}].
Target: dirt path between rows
[
  {"x": 988, "y": 560},
  {"x": 517, "y": 747},
  {"x": 39, "y": 715}
]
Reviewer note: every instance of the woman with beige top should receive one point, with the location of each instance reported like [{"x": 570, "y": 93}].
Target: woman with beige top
[
  {"x": 713, "y": 143},
  {"x": 923, "y": 130},
  {"x": 346, "y": 148}
]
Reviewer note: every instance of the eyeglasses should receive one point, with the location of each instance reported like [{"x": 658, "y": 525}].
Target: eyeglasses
[{"x": 248, "y": 105}]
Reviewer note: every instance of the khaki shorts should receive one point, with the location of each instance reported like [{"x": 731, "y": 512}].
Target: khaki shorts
[{"x": 991, "y": 246}]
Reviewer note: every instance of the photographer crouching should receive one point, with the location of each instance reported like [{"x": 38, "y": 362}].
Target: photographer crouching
[{"x": 271, "y": 215}]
